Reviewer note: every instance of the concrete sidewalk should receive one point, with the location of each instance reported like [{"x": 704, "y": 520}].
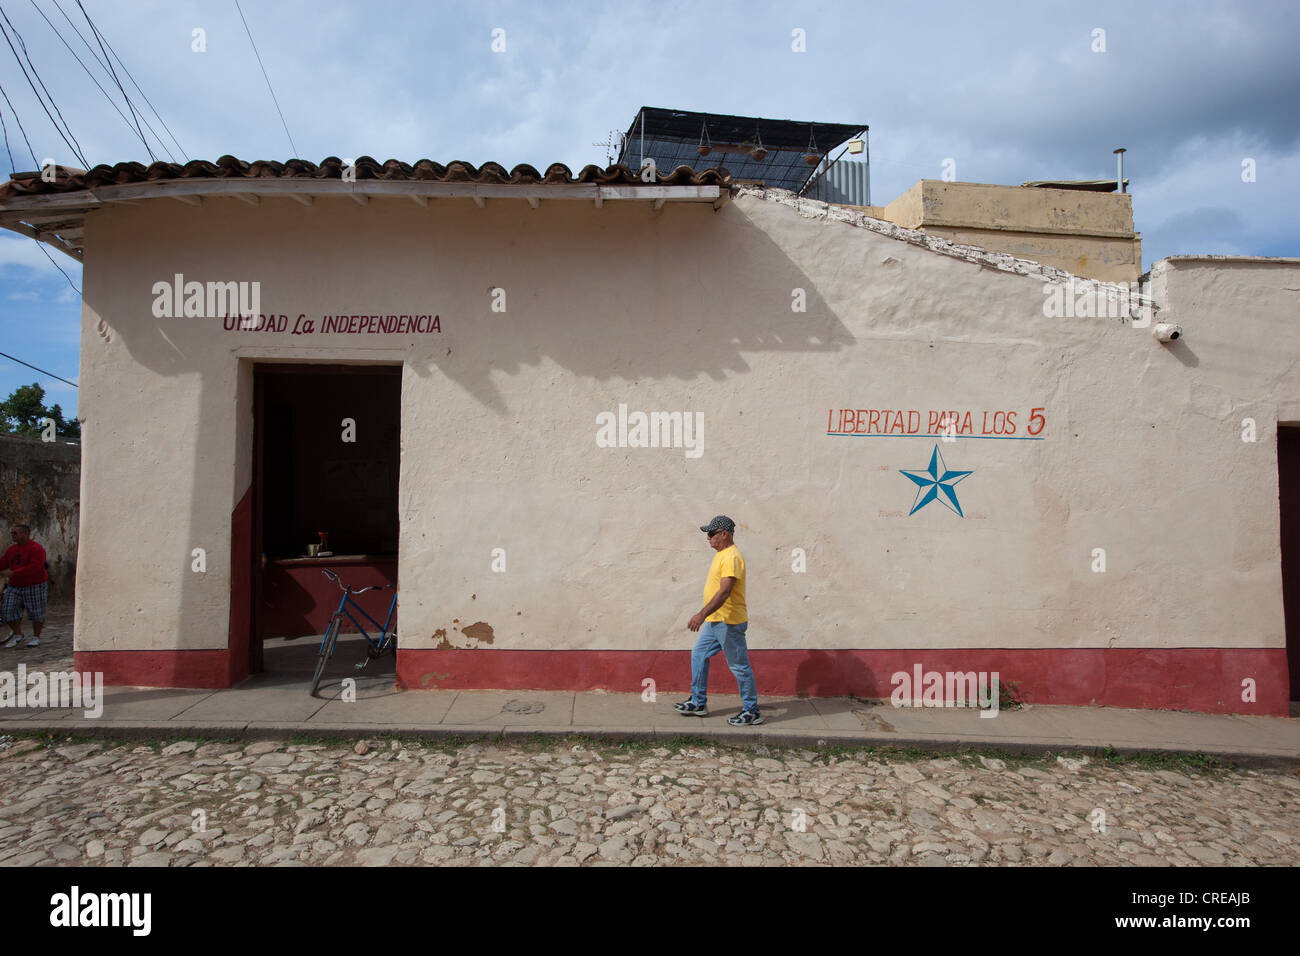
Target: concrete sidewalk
[{"x": 277, "y": 704}]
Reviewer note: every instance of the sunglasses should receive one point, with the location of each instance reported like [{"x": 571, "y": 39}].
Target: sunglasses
[{"x": 712, "y": 533}]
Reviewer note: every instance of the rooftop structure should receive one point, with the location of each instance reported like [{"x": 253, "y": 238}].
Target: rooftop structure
[{"x": 781, "y": 153}]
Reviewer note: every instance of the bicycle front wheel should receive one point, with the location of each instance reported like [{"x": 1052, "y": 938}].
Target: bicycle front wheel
[{"x": 326, "y": 650}]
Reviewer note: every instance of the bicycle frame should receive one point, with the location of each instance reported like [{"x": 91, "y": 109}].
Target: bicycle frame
[
  {"x": 374, "y": 648},
  {"x": 344, "y": 610}
]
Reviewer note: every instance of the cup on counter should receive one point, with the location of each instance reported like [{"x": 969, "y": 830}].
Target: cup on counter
[{"x": 313, "y": 550}]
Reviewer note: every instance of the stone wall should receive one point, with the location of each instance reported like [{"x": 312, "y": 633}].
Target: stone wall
[{"x": 40, "y": 485}]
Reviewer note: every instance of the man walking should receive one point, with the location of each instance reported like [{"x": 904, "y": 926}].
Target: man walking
[
  {"x": 721, "y": 623},
  {"x": 27, "y": 586}
]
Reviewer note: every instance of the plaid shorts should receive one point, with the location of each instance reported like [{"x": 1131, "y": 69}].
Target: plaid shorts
[{"x": 33, "y": 598}]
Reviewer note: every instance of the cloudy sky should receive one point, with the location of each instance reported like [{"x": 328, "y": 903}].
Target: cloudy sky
[{"x": 1009, "y": 92}]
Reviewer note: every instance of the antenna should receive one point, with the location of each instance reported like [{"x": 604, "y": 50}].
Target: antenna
[{"x": 611, "y": 152}]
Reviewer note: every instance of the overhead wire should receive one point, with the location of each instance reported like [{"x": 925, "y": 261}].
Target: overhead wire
[
  {"x": 17, "y": 119},
  {"x": 76, "y": 56},
  {"x": 65, "y": 130},
  {"x": 113, "y": 74},
  {"x": 103, "y": 65},
  {"x": 156, "y": 114},
  {"x": 41, "y": 370},
  {"x": 267, "y": 78},
  {"x": 40, "y": 245},
  {"x": 4, "y": 128},
  {"x": 68, "y": 138}
]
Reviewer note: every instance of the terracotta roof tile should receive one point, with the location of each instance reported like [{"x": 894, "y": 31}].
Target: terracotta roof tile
[{"x": 457, "y": 171}]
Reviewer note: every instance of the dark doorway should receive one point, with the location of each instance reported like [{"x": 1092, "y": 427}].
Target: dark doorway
[
  {"x": 327, "y": 447},
  {"x": 1288, "y": 481},
  {"x": 331, "y": 450}
]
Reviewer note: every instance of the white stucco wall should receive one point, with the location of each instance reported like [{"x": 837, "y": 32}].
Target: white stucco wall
[{"x": 688, "y": 310}]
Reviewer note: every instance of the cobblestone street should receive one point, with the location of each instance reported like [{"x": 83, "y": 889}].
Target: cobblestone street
[{"x": 567, "y": 803}]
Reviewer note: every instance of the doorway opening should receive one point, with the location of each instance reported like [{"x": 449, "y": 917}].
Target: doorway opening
[
  {"x": 327, "y": 455},
  {"x": 1288, "y": 483}
]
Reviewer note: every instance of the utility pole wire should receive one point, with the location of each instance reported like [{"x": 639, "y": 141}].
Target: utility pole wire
[
  {"x": 76, "y": 149},
  {"x": 82, "y": 64},
  {"x": 48, "y": 95},
  {"x": 4, "y": 127},
  {"x": 12, "y": 166},
  {"x": 41, "y": 370},
  {"x": 40, "y": 245},
  {"x": 161, "y": 121},
  {"x": 129, "y": 105},
  {"x": 268, "y": 81},
  {"x": 103, "y": 66}
]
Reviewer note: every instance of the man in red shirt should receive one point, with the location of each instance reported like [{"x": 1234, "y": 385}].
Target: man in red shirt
[{"x": 26, "y": 586}]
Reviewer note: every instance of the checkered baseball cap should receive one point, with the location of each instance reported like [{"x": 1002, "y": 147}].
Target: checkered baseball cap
[{"x": 720, "y": 523}]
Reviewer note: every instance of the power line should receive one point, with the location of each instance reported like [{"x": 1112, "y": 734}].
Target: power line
[
  {"x": 161, "y": 121},
  {"x": 4, "y": 127},
  {"x": 35, "y": 162},
  {"x": 71, "y": 143},
  {"x": 133, "y": 123},
  {"x": 82, "y": 64},
  {"x": 113, "y": 74},
  {"x": 41, "y": 370},
  {"x": 267, "y": 78},
  {"x": 40, "y": 245},
  {"x": 77, "y": 149}
]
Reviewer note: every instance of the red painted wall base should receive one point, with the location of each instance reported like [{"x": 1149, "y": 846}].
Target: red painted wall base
[
  {"x": 202, "y": 669},
  {"x": 1208, "y": 680}
]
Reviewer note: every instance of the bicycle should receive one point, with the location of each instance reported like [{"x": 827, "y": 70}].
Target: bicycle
[{"x": 374, "y": 648}]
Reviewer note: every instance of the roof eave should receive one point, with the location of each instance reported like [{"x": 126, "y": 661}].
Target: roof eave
[{"x": 40, "y": 215}]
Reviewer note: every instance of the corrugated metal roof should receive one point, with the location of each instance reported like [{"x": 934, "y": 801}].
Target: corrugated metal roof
[{"x": 366, "y": 168}]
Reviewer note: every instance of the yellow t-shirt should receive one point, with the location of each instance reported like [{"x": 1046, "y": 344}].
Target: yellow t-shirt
[{"x": 727, "y": 563}]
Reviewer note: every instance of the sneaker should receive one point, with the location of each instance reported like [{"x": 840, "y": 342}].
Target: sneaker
[
  {"x": 745, "y": 717},
  {"x": 34, "y": 642},
  {"x": 691, "y": 709},
  {"x": 13, "y": 641}
]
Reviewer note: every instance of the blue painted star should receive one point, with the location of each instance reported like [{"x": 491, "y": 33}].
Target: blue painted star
[{"x": 937, "y": 478}]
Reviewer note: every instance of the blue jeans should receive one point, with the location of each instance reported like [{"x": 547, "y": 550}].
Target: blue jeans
[{"x": 730, "y": 639}]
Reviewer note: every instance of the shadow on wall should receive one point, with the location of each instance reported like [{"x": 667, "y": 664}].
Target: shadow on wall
[
  {"x": 695, "y": 289},
  {"x": 618, "y": 292},
  {"x": 835, "y": 674},
  {"x": 40, "y": 486}
]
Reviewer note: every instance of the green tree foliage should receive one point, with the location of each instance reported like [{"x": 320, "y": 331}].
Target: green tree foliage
[{"x": 22, "y": 411}]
